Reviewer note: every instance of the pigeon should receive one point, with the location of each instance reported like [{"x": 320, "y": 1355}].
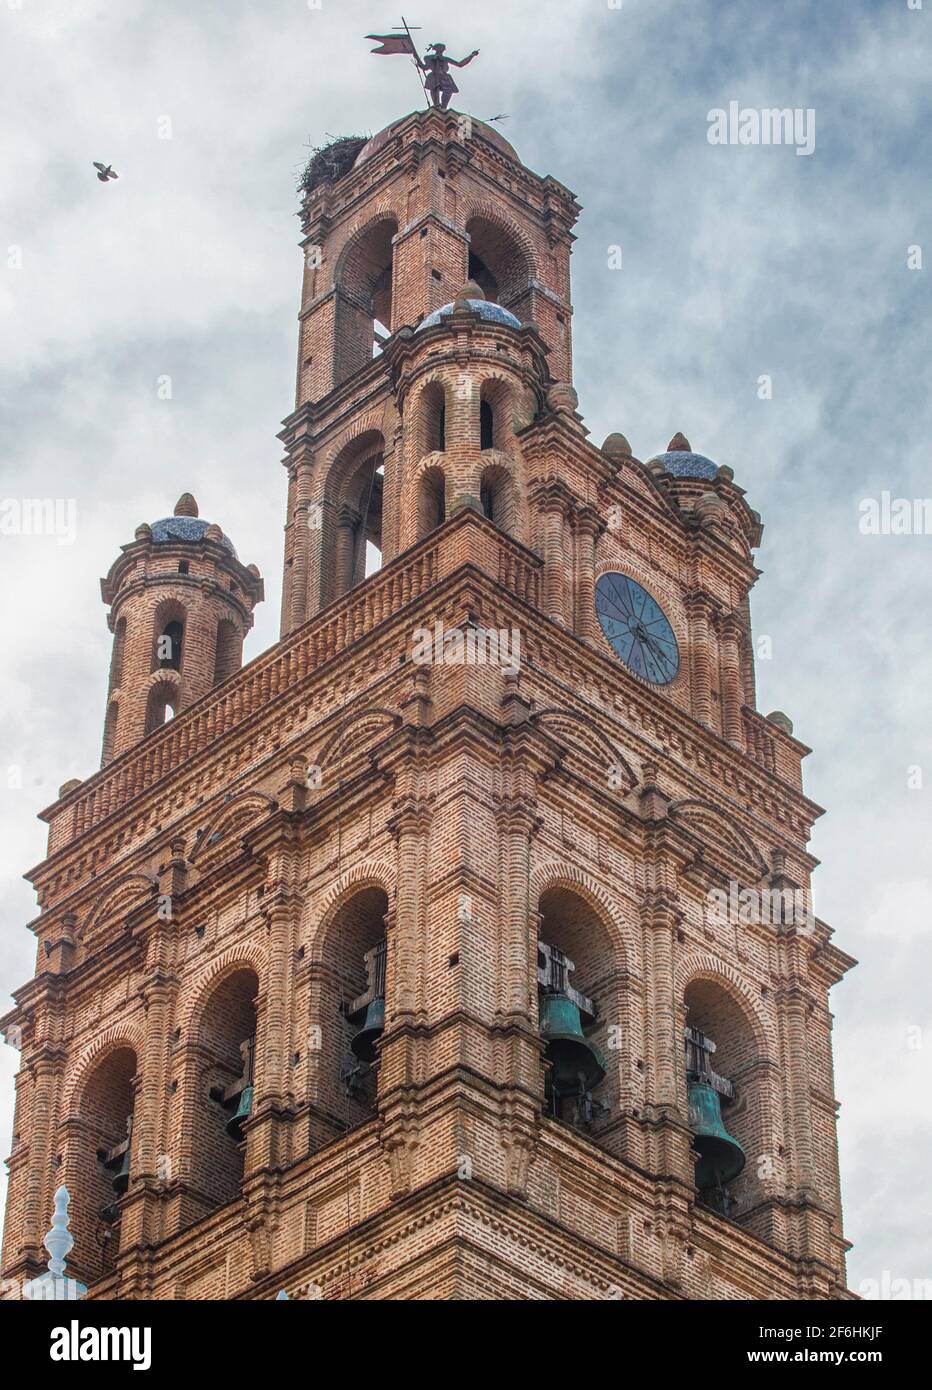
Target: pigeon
[{"x": 105, "y": 172}]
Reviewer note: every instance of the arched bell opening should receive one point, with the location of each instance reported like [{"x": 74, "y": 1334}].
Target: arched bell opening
[
  {"x": 162, "y": 705},
  {"x": 723, "y": 1096},
  {"x": 228, "y": 650},
  {"x": 368, "y": 489},
  {"x": 431, "y": 501},
  {"x": 498, "y": 496},
  {"x": 226, "y": 1058},
  {"x": 577, "y": 974},
  {"x": 99, "y": 1161},
  {"x": 496, "y": 410},
  {"x": 430, "y": 420},
  {"x": 498, "y": 262},
  {"x": 347, "y": 1011},
  {"x": 351, "y": 541},
  {"x": 169, "y": 637},
  {"x": 364, "y": 290}
]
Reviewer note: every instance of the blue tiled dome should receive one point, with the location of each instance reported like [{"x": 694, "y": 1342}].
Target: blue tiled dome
[
  {"x": 680, "y": 464},
  {"x": 492, "y": 313},
  {"x": 185, "y": 528}
]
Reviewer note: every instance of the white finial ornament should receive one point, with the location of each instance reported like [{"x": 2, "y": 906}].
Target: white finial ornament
[{"x": 56, "y": 1284}]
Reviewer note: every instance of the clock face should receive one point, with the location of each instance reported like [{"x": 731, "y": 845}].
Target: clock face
[{"x": 637, "y": 628}]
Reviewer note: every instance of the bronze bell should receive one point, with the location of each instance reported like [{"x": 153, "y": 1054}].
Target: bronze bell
[
  {"x": 363, "y": 1043},
  {"x": 577, "y": 1063},
  {"x": 121, "y": 1179},
  {"x": 239, "y": 1095},
  {"x": 721, "y": 1157},
  {"x": 116, "y": 1160},
  {"x": 234, "y": 1125}
]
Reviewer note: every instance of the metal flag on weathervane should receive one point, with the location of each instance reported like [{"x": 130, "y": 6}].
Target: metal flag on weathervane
[
  {"x": 392, "y": 43},
  {"x": 438, "y": 83}
]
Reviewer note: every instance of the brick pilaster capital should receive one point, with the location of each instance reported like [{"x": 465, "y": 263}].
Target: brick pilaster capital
[
  {"x": 731, "y": 626},
  {"x": 158, "y": 987},
  {"x": 518, "y": 816},
  {"x": 45, "y": 1060},
  {"x": 552, "y": 495},
  {"x": 347, "y": 515},
  {"x": 701, "y": 604},
  {"x": 412, "y": 816},
  {"x": 590, "y": 522},
  {"x": 662, "y": 911}
]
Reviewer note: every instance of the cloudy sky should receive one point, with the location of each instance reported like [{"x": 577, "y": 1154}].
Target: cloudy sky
[{"x": 738, "y": 262}]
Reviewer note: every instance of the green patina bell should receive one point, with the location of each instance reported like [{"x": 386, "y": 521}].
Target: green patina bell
[
  {"x": 121, "y": 1178},
  {"x": 363, "y": 1044},
  {"x": 573, "y": 1056},
  {"x": 234, "y": 1125},
  {"x": 721, "y": 1157}
]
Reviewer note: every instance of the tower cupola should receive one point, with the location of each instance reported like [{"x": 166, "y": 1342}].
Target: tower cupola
[{"x": 181, "y": 603}]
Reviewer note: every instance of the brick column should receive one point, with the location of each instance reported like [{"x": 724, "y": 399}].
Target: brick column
[
  {"x": 731, "y": 680},
  {"x": 45, "y": 1068},
  {"x": 700, "y": 608},
  {"x": 668, "y": 1140},
  {"x": 430, "y": 265},
  {"x": 266, "y": 1145},
  {"x": 661, "y": 918},
  {"x": 408, "y": 825},
  {"x": 301, "y": 545},
  {"x": 552, "y": 500},
  {"x": 516, "y": 825},
  {"x": 403, "y": 1046},
  {"x": 149, "y": 1115},
  {"x": 347, "y": 523},
  {"x": 797, "y": 1044},
  {"x": 589, "y": 527}
]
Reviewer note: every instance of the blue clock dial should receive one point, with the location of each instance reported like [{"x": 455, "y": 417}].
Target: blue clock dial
[{"x": 637, "y": 628}]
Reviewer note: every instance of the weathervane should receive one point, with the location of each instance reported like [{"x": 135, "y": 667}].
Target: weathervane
[{"x": 438, "y": 85}]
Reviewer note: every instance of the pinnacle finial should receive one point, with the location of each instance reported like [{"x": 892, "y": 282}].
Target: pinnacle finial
[
  {"x": 679, "y": 444},
  {"x": 55, "y": 1284},
  {"x": 59, "y": 1240},
  {"x": 616, "y": 446},
  {"x": 469, "y": 291},
  {"x": 186, "y": 505}
]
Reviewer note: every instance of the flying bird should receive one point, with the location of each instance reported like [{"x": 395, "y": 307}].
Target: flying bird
[
  {"x": 105, "y": 172},
  {"x": 500, "y": 117}
]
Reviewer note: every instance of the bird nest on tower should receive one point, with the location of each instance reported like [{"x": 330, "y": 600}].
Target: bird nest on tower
[{"x": 330, "y": 161}]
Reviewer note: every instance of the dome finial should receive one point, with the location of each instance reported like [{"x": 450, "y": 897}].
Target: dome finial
[
  {"x": 679, "y": 444},
  {"x": 186, "y": 505},
  {"x": 616, "y": 446},
  {"x": 469, "y": 291}
]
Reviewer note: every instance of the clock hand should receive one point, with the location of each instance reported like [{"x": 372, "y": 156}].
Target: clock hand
[{"x": 654, "y": 651}]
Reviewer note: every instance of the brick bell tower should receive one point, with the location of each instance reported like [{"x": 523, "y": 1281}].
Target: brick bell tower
[{"x": 459, "y": 946}]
